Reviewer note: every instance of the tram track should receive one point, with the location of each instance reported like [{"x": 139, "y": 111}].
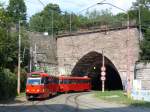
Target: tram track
[
  {"x": 70, "y": 102},
  {"x": 66, "y": 104},
  {"x": 85, "y": 104},
  {"x": 27, "y": 105}
]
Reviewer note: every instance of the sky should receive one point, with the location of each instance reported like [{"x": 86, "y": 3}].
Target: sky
[{"x": 76, "y": 6}]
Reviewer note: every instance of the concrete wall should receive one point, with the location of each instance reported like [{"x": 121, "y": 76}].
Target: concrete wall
[
  {"x": 46, "y": 50},
  {"x": 115, "y": 43},
  {"x": 142, "y": 73}
]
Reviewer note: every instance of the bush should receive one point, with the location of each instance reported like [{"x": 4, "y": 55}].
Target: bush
[
  {"x": 8, "y": 84},
  {"x": 23, "y": 79}
]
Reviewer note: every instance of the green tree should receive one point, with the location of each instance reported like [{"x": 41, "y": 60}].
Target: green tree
[
  {"x": 46, "y": 19},
  {"x": 7, "y": 78},
  {"x": 145, "y": 46},
  {"x": 17, "y": 10},
  {"x": 9, "y": 55},
  {"x": 8, "y": 84},
  {"x": 99, "y": 18},
  {"x": 143, "y": 6}
]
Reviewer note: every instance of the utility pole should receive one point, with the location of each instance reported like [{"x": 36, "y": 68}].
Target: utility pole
[
  {"x": 70, "y": 22},
  {"x": 140, "y": 21},
  {"x": 30, "y": 66},
  {"x": 35, "y": 55},
  {"x": 19, "y": 60},
  {"x": 52, "y": 23},
  {"x": 128, "y": 57}
]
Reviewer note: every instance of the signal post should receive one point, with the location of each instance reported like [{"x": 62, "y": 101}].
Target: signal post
[{"x": 103, "y": 72}]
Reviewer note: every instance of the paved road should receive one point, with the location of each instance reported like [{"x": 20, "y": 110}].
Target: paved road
[{"x": 73, "y": 102}]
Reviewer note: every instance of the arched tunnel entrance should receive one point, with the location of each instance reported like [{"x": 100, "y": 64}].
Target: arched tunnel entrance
[{"x": 90, "y": 65}]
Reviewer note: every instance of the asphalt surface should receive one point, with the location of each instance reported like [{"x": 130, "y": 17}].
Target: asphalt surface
[{"x": 71, "y": 102}]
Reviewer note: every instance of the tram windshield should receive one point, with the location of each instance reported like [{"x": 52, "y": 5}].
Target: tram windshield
[{"x": 34, "y": 81}]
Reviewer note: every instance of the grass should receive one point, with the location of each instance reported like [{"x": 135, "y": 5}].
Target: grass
[
  {"x": 22, "y": 94},
  {"x": 120, "y": 97}
]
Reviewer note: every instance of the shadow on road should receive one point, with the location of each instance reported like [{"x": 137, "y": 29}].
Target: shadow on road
[{"x": 66, "y": 108}]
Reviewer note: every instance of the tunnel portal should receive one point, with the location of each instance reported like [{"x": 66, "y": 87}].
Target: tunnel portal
[{"x": 90, "y": 65}]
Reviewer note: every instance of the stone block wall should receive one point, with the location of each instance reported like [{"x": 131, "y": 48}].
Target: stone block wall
[
  {"x": 142, "y": 72},
  {"x": 115, "y": 43}
]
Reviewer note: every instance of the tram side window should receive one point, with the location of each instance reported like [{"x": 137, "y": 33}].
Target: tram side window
[
  {"x": 60, "y": 81},
  {"x": 74, "y": 81},
  {"x": 42, "y": 81},
  {"x": 71, "y": 82},
  {"x": 77, "y": 81},
  {"x": 55, "y": 80},
  {"x": 84, "y": 81},
  {"x": 45, "y": 80},
  {"x": 50, "y": 80},
  {"x": 80, "y": 81},
  {"x": 66, "y": 81}
]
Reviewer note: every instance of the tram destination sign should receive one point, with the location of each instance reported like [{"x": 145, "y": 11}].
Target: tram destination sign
[{"x": 35, "y": 75}]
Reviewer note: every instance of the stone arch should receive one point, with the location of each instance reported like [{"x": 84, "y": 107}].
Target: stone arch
[{"x": 90, "y": 64}]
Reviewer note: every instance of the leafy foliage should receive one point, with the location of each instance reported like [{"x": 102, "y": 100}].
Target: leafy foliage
[
  {"x": 145, "y": 46},
  {"x": 53, "y": 19},
  {"x": 45, "y": 20},
  {"x": 144, "y": 7},
  {"x": 9, "y": 51},
  {"x": 7, "y": 84},
  {"x": 17, "y": 10}
]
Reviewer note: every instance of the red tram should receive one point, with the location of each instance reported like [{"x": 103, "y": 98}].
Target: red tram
[
  {"x": 74, "y": 84},
  {"x": 42, "y": 85}
]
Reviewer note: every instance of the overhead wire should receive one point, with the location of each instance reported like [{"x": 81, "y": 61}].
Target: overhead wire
[{"x": 75, "y": 48}]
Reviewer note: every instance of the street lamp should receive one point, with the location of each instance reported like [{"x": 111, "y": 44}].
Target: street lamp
[
  {"x": 128, "y": 51},
  {"x": 91, "y": 6}
]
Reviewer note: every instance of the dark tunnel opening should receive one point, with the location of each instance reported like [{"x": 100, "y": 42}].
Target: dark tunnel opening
[{"x": 90, "y": 65}]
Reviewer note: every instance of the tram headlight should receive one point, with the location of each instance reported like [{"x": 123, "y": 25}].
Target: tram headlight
[
  {"x": 27, "y": 90},
  {"x": 37, "y": 90}
]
